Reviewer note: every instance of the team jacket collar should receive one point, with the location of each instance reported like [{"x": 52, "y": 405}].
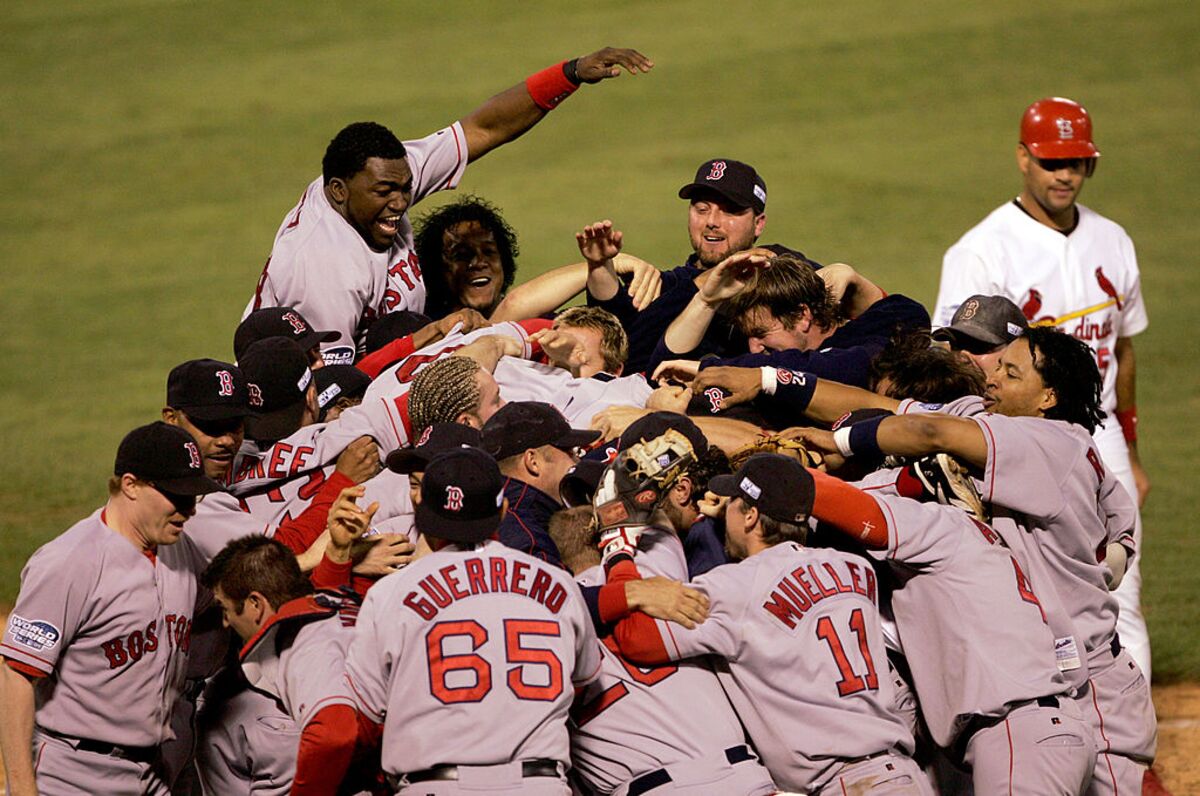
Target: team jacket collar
[{"x": 295, "y": 612}]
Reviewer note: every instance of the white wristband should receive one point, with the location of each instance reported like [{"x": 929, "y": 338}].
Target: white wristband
[
  {"x": 841, "y": 438},
  {"x": 770, "y": 379}
]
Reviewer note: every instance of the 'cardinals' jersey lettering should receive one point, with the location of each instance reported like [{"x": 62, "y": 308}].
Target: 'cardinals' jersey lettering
[
  {"x": 321, "y": 266},
  {"x": 1086, "y": 283}
]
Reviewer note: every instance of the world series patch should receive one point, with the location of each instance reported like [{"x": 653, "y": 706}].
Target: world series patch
[{"x": 37, "y": 634}]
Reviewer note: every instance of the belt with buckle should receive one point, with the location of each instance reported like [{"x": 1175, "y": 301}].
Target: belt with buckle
[
  {"x": 648, "y": 782},
  {"x": 135, "y": 754},
  {"x": 542, "y": 767}
]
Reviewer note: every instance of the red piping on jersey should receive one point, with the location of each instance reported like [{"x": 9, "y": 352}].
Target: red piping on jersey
[
  {"x": 296, "y": 220},
  {"x": 1104, "y": 735},
  {"x": 458, "y": 152},
  {"x": 513, "y": 513},
  {"x": 303, "y": 609},
  {"x": 991, "y": 485},
  {"x": 361, "y": 701},
  {"x": 1008, "y": 729},
  {"x": 380, "y": 360}
]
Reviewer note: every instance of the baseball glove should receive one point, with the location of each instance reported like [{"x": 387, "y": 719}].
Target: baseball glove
[
  {"x": 633, "y": 486},
  {"x": 776, "y": 443}
]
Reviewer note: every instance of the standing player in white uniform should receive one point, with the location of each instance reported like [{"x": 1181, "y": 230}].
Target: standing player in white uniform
[
  {"x": 95, "y": 661},
  {"x": 467, "y": 657},
  {"x": 1066, "y": 265},
  {"x": 344, "y": 255}
]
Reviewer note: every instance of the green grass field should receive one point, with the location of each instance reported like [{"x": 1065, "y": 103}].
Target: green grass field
[{"x": 151, "y": 148}]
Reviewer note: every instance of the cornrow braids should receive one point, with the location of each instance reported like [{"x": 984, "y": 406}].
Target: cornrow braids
[{"x": 443, "y": 391}]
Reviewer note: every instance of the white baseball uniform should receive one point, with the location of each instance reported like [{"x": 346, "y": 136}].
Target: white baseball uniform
[
  {"x": 467, "y": 658},
  {"x": 578, "y": 399},
  {"x": 806, "y": 668},
  {"x": 107, "y": 647},
  {"x": 1086, "y": 283},
  {"x": 321, "y": 266}
]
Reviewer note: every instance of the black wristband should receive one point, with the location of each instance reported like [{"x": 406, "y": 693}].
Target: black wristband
[{"x": 571, "y": 71}]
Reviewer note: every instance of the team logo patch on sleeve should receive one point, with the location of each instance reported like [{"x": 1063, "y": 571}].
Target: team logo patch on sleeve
[
  {"x": 338, "y": 355},
  {"x": 36, "y": 634}
]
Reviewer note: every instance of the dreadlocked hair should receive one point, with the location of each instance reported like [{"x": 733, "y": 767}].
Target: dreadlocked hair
[
  {"x": 919, "y": 370},
  {"x": 443, "y": 391},
  {"x": 1068, "y": 367},
  {"x": 785, "y": 286}
]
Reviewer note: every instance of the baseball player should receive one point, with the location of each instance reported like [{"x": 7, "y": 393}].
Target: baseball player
[
  {"x": 639, "y": 721},
  {"x": 282, "y": 322},
  {"x": 95, "y": 662},
  {"x": 344, "y": 255},
  {"x": 1065, "y": 265},
  {"x": 797, "y": 627},
  {"x": 1050, "y": 497},
  {"x": 985, "y": 670},
  {"x": 467, "y": 657},
  {"x": 295, "y": 643}
]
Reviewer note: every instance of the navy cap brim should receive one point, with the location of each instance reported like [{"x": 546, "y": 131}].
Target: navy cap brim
[
  {"x": 724, "y": 485},
  {"x": 692, "y": 188},
  {"x": 217, "y": 412},
  {"x": 192, "y": 485},
  {"x": 408, "y": 460}
]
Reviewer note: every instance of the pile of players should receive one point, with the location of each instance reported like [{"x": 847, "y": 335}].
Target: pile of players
[{"x": 745, "y": 526}]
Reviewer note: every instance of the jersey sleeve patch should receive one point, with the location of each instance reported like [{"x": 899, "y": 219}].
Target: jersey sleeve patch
[{"x": 35, "y": 634}]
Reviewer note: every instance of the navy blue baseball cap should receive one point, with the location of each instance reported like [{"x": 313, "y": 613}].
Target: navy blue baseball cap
[
  {"x": 736, "y": 181},
  {"x": 207, "y": 389},
  {"x": 777, "y": 485},
  {"x": 438, "y": 438},
  {"x": 462, "y": 493},
  {"x": 166, "y": 456},
  {"x": 278, "y": 322}
]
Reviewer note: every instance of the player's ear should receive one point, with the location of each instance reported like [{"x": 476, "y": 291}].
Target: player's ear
[
  {"x": 760, "y": 223},
  {"x": 1022, "y": 158},
  {"x": 338, "y": 190},
  {"x": 469, "y": 419},
  {"x": 1049, "y": 400},
  {"x": 170, "y": 415},
  {"x": 681, "y": 491}
]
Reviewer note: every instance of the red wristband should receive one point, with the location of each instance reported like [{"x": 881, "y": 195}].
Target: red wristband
[
  {"x": 549, "y": 87},
  {"x": 1128, "y": 420}
]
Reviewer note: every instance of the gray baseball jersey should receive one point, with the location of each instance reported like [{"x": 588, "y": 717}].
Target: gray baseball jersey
[
  {"x": 305, "y": 674},
  {"x": 635, "y": 719},
  {"x": 578, "y": 399},
  {"x": 468, "y": 657},
  {"x": 974, "y": 631},
  {"x": 1045, "y": 477},
  {"x": 111, "y": 639},
  {"x": 321, "y": 266},
  {"x": 246, "y": 744},
  {"x": 806, "y": 667}
]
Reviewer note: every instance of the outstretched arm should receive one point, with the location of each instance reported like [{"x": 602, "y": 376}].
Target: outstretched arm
[
  {"x": 909, "y": 435},
  {"x": 510, "y": 113},
  {"x": 725, "y": 281}
]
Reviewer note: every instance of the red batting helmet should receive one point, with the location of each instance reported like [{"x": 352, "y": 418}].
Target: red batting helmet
[{"x": 1056, "y": 127}]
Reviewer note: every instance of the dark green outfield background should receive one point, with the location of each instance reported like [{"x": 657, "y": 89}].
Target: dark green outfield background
[{"x": 150, "y": 149}]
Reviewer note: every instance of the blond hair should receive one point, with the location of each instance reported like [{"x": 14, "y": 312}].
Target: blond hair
[{"x": 614, "y": 343}]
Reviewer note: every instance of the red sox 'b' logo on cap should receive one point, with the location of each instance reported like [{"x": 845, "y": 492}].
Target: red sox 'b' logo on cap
[
  {"x": 717, "y": 171},
  {"x": 294, "y": 320},
  {"x": 714, "y": 396},
  {"x": 224, "y": 383},
  {"x": 193, "y": 455},
  {"x": 256, "y": 398},
  {"x": 454, "y": 499},
  {"x": 425, "y": 436}
]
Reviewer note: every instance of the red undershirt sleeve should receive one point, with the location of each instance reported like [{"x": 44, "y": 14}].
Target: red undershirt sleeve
[
  {"x": 613, "y": 604},
  {"x": 380, "y": 360},
  {"x": 850, "y": 510},
  {"x": 299, "y": 533},
  {"x": 326, "y": 748},
  {"x": 331, "y": 576},
  {"x": 637, "y": 634},
  {"x": 29, "y": 671}
]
